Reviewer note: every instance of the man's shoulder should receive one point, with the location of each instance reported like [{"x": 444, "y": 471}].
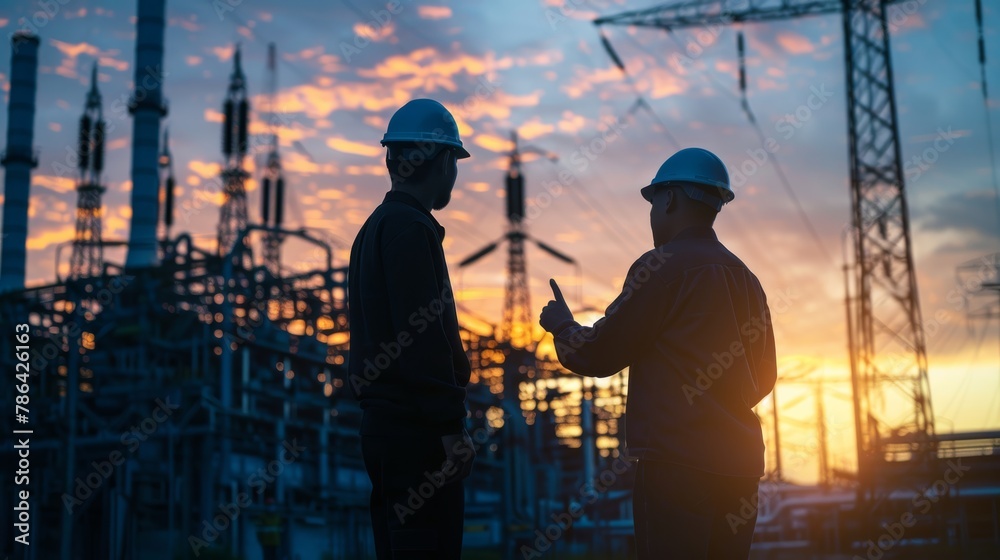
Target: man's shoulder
[
  {"x": 393, "y": 217},
  {"x": 686, "y": 257}
]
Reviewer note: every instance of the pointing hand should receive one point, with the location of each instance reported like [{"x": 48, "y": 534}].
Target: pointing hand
[{"x": 556, "y": 312}]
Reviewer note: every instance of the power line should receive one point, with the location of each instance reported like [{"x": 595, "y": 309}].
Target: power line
[
  {"x": 777, "y": 165},
  {"x": 986, "y": 106}
]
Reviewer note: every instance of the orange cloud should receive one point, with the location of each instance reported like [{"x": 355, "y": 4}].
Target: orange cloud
[
  {"x": 585, "y": 80},
  {"x": 571, "y": 123},
  {"x": 534, "y": 128},
  {"x": 185, "y": 24},
  {"x": 374, "y": 33},
  {"x": 206, "y": 170},
  {"x": 72, "y": 50},
  {"x": 51, "y": 237},
  {"x": 54, "y": 183},
  {"x": 493, "y": 143},
  {"x": 496, "y": 106},
  {"x": 351, "y": 147},
  {"x": 330, "y": 194},
  {"x": 223, "y": 53},
  {"x": 428, "y": 69},
  {"x": 793, "y": 43},
  {"x": 659, "y": 83},
  {"x": 295, "y": 162},
  {"x": 434, "y": 12},
  {"x": 213, "y": 116},
  {"x": 376, "y": 170}
]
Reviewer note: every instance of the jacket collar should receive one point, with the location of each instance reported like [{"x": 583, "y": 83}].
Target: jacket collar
[
  {"x": 410, "y": 200},
  {"x": 696, "y": 232}
]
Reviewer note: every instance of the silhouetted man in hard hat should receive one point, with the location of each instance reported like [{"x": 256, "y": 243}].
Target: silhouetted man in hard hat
[
  {"x": 693, "y": 327},
  {"x": 407, "y": 364}
]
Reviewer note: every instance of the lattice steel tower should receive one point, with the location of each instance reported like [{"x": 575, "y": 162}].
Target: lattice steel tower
[
  {"x": 893, "y": 415},
  {"x": 272, "y": 196},
  {"x": 517, "y": 327},
  {"x": 236, "y": 109},
  {"x": 88, "y": 251}
]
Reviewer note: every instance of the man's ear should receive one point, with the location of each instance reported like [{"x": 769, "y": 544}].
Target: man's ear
[
  {"x": 445, "y": 160},
  {"x": 669, "y": 202}
]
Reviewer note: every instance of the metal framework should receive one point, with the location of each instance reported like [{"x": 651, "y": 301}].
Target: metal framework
[
  {"x": 236, "y": 116},
  {"x": 88, "y": 251},
  {"x": 889, "y": 363},
  {"x": 273, "y": 183},
  {"x": 516, "y": 328}
]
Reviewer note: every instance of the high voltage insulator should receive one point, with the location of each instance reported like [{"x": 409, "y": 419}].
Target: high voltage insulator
[
  {"x": 279, "y": 201},
  {"x": 515, "y": 197},
  {"x": 611, "y": 52},
  {"x": 227, "y": 128},
  {"x": 168, "y": 207},
  {"x": 84, "y": 155},
  {"x": 242, "y": 125},
  {"x": 265, "y": 197},
  {"x": 99, "y": 146},
  {"x": 743, "y": 67}
]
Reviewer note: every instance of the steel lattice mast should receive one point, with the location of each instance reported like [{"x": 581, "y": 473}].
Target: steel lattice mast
[
  {"x": 517, "y": 326},
  {"x": 273, "y": 182},
  {"x": 88, "y": 250},
  {"x": 888, "y": 359},
  {"x": 236, "y": 115}
]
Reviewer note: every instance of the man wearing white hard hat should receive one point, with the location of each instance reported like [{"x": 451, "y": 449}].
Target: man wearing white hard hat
[
  {"x": 693, "y": 326},
  {"x": 407, "y": 365}
]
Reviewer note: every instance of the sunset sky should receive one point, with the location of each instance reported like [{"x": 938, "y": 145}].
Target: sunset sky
[{"x": 538, "y": 66}]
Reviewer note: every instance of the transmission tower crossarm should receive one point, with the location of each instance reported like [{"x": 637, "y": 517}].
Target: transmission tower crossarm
[
  {"x": 480, "y": 253},
  {"x": 699, "y": 13}
]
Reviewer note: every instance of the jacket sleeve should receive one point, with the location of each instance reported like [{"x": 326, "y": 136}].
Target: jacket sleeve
[
  {"x": 416, "y": 304},
  {"x": 765, "y": 369},
  {"x": 630, "y": 324}
]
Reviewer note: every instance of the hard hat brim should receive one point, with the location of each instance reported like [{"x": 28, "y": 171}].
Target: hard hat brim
[
  {"x": 416, "y": 137},
  {"x": 647, "y": 191}
]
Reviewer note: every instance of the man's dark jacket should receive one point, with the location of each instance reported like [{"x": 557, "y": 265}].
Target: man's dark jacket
[
  {"x": 693, "y": 326},
  {"x": 407, "y": 365}
]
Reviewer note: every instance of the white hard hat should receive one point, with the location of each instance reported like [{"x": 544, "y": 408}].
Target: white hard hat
[
  {"x": 695, "y": 166},
  {"x": 424, "y": 120}
]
